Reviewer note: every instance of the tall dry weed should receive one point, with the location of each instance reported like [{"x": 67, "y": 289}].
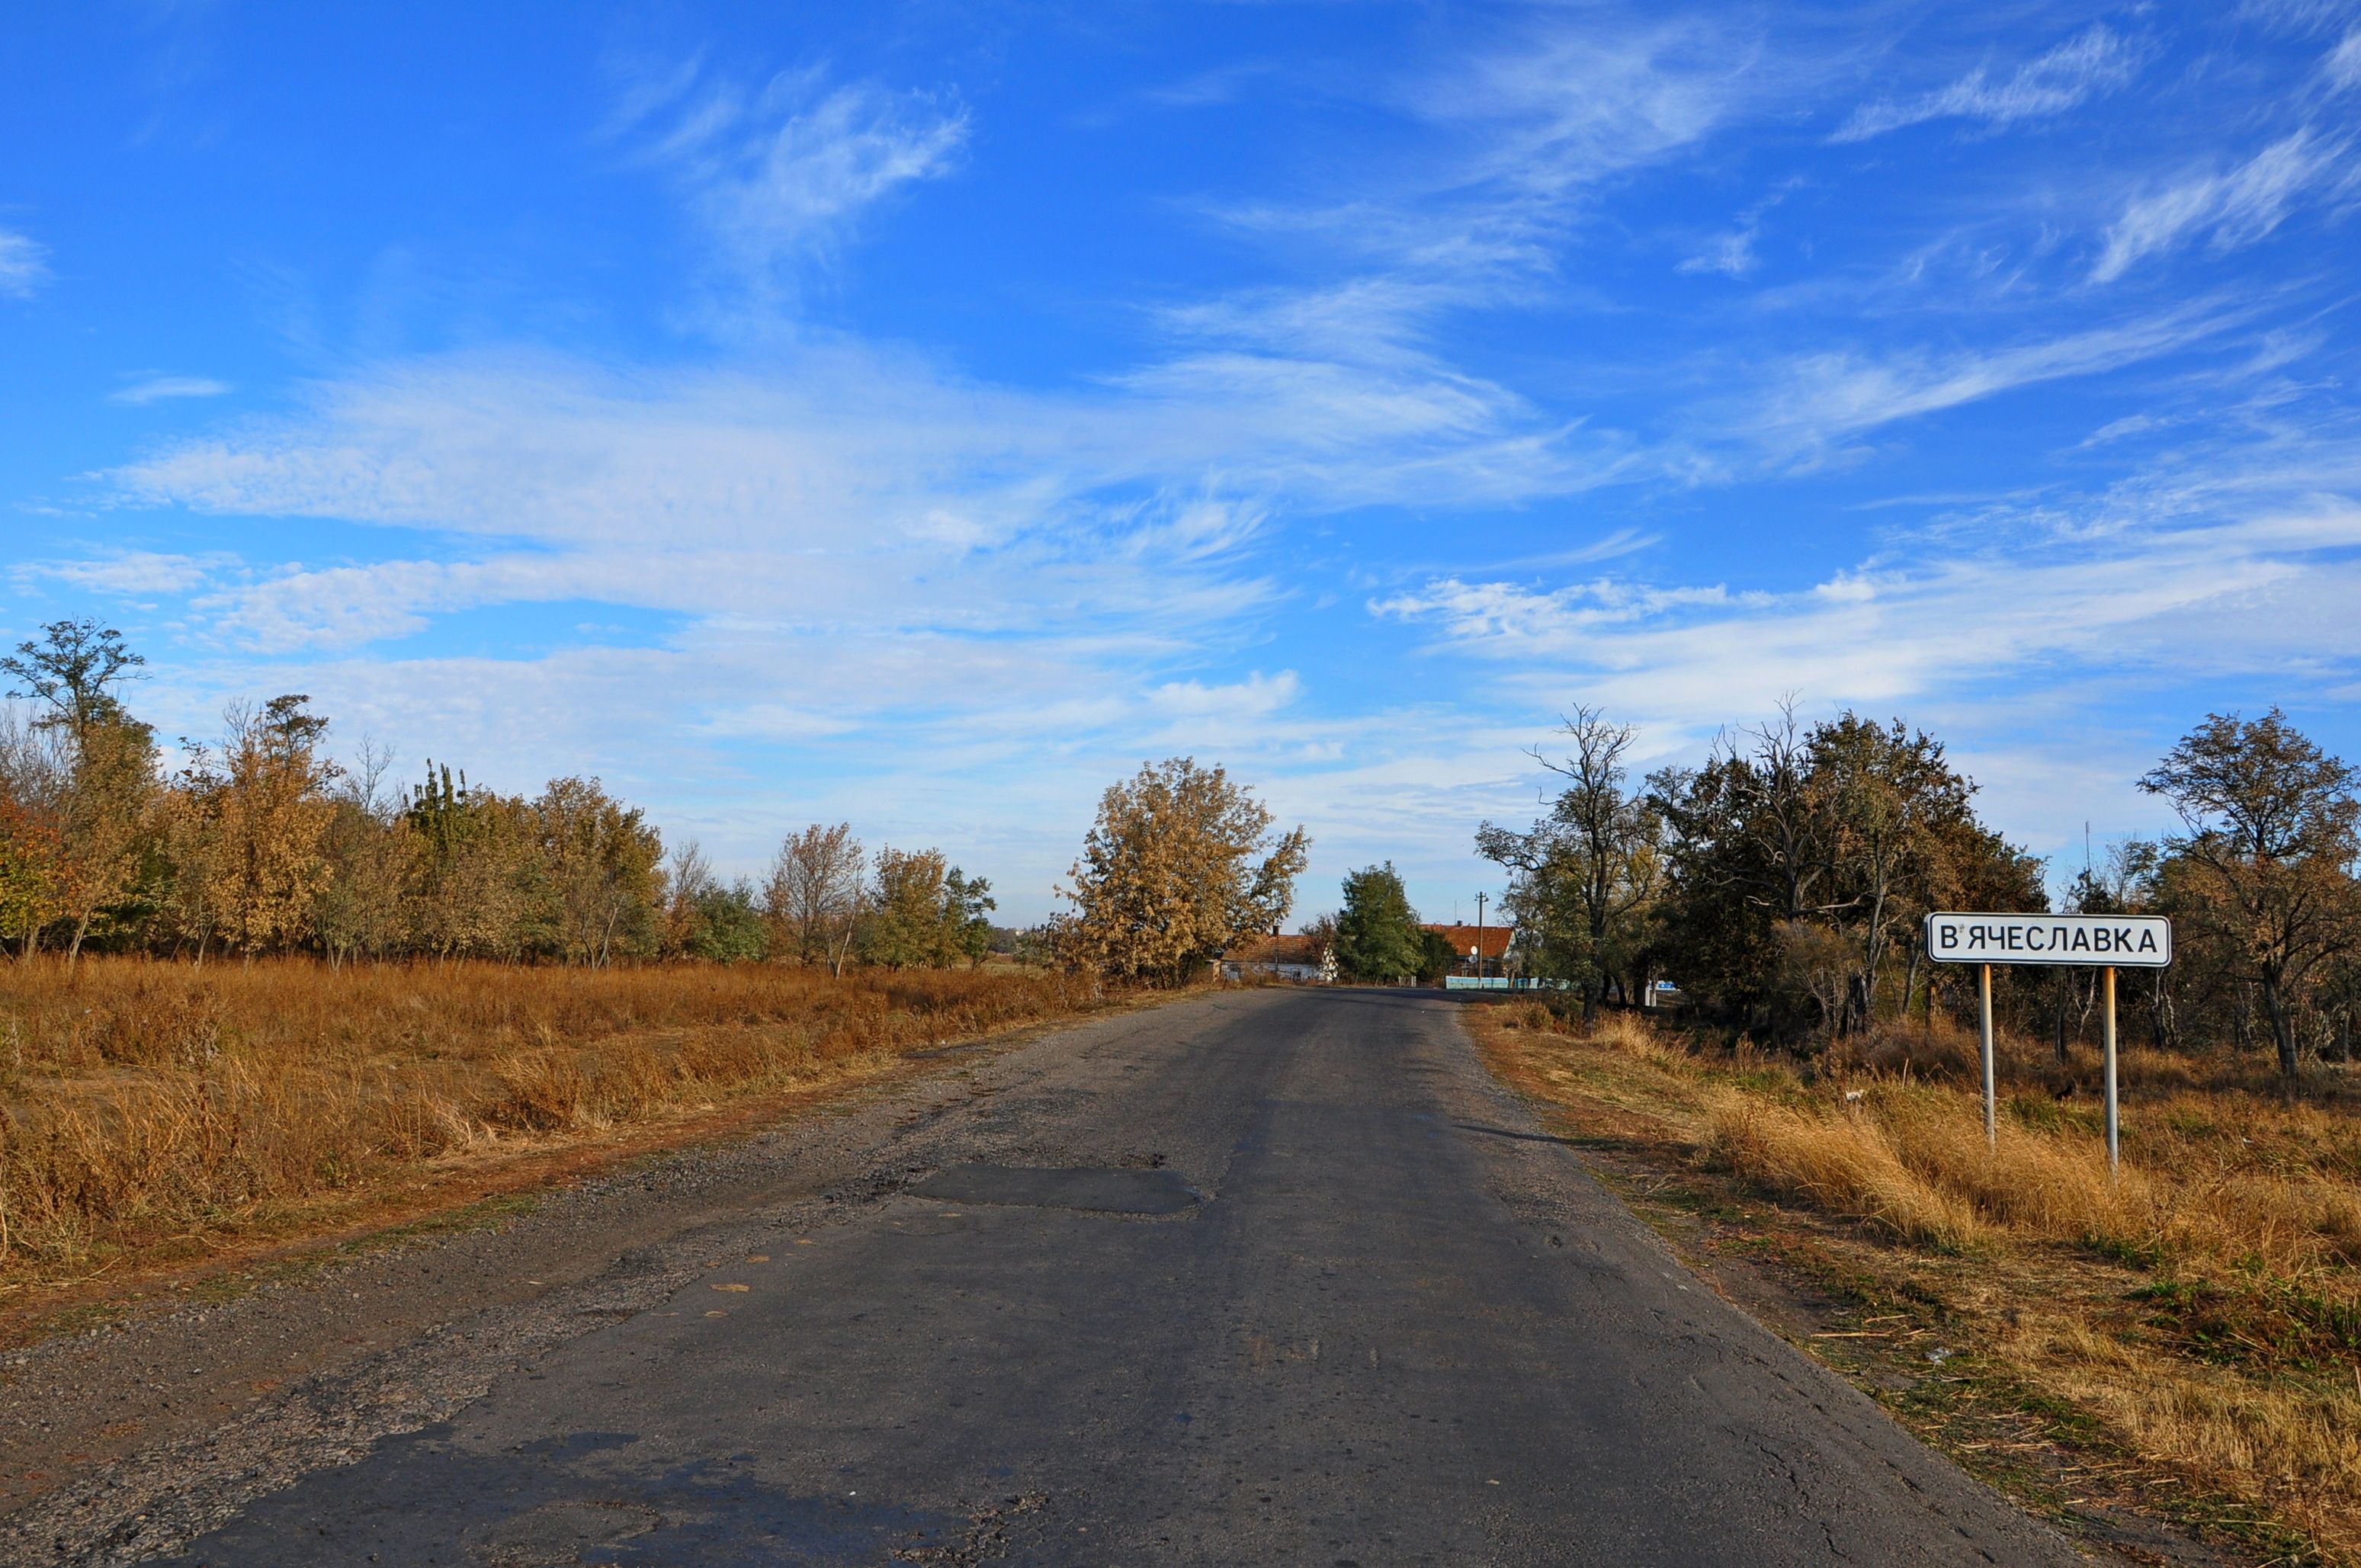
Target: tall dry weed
[
  {"x": 1846, "y": 1163},
  {"x": 1895, "y": 1137},
  {"x": 146, "y": 1102}
]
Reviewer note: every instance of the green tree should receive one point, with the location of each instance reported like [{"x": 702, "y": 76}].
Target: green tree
[
  {"x": 1438, "y": 958},
  {"x": 71, "y": 670},
  {"x": 474, "y": 870},
  {"x": 967, "y": 908},
  {"x": 903, "y": 929},
  {"x": 2269, "y": 853},
  {"x": 1587, "y": 877},
  {"x": 730, "y": 927},
  {"x": 1377, "y": 933},
  {"x": 924, "y": 911},
  {"x": 1799, "y": 867}
]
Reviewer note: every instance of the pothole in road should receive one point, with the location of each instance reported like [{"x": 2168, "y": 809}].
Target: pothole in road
[
  {"x": 1091, "y": 1190},
  {"x": 558, "y": 1534}
]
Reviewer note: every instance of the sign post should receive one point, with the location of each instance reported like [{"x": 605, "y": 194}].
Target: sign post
[
  {"x": 2104, "y": 942},
  {"x": 2107, "y": 1044},
  {"x": 1985, "y": 1035}
]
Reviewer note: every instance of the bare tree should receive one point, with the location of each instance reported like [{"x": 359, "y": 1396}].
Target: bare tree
[
  {"x": 815, "y": 893},
  {"x": 34, "y": 775},
  {"x": 372, "y": 858},
  {"x": 689, "y": 882}
]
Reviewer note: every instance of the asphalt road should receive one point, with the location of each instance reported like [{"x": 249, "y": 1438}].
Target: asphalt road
[{"x": 1274, "y": 1277}]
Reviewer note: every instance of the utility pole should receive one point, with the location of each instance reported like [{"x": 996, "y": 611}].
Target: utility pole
[{"x": 1479, "y": 941}]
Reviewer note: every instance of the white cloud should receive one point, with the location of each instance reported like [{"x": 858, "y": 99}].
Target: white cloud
[
  {"x": 779, "y": 176},
  {"x": 1208, "y": 88},
  {"x": 2343, "y": 66},
  {"x": 840, "y": 480},
  {"x": 127, "y": 572},
  {"x": 2093, "y": 62},
  {"x": 1732, "y": 255},
  {"x": 155, "y": 388},
  {"x": 1988, "y": 614},
  {"x": 1562, "y": 104},
  {"x": 23, "y": 265},
  {"x": 2236, "y": 208},
  {"x": 1821, "y": 397},
  {"x": 1518, "y": 138}
]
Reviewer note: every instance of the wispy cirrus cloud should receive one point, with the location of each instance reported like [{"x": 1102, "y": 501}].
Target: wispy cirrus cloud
[
  {"x": 1732, "y": 255},
  {"x": 2093, "y": 62},
  {"x": 1824, "y": 396},
  {"x": 779, "y": 176},
  {"x": 24, "y": 264},
  {"x": 2342, "y": 67},
  {"x": 128, "y": 571},
  {"x": 2155, "y": 600},
  {"x": 1560, "y": 106},
  {"x": 1519, "y": 134},
  {"x": 2233, "y": 208},
  {"x": 157, "y": 389}
]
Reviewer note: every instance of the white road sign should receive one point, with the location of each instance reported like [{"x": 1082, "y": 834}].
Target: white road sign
[{"x": 2126, "y": 941}]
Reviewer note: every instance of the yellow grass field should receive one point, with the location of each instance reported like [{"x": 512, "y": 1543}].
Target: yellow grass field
[
  {"x": 155, "y": 1112},
  {"x": 2188, "y": 1337}
]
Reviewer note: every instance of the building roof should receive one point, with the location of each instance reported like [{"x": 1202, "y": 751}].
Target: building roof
[
  {"x": 1463, "y": 939},
  {"x": 1298, "y": 949}
]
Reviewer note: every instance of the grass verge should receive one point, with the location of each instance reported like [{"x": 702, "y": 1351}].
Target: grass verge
[
  {"x": 2181, "y": 1344},
  {"x": 161, "y": 1124}
]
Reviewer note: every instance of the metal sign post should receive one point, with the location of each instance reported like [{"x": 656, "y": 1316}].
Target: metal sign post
[
  {"x": 2107, "y": 1044},
  {"x": 2104, "y": 942},
  {"x": 1985, "y": 1031}
]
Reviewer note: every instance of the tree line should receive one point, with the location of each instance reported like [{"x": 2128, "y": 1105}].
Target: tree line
[
  {"x": 1782, "y": 882},
  {"x": 261, "y": 842}
]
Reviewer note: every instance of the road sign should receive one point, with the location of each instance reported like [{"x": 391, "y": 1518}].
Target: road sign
[
  {"x": 2104, "y": 942},
  {"x": 2108, "y": 941}
]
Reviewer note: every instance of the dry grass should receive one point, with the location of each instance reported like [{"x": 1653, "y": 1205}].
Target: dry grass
[
  {"x": 2203, "y": 1309},
  {"x": 150, "y": 1109}
]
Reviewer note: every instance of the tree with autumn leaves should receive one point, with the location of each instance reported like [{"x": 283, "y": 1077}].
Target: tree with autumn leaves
[
  {"x": 1180, "y": 863},
  {"x": 260, "y": 843},
  {"x": 81, "y": 782}
]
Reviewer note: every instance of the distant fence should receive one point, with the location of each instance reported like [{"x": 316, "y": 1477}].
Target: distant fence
[{"x": 1499, "y": 982}]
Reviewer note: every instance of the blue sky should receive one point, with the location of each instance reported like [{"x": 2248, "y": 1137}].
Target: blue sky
[{"x": 921, "y": 415}]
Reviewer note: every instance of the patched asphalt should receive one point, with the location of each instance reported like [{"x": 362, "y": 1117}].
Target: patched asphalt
[{"x": 1274, "y": 1277}]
